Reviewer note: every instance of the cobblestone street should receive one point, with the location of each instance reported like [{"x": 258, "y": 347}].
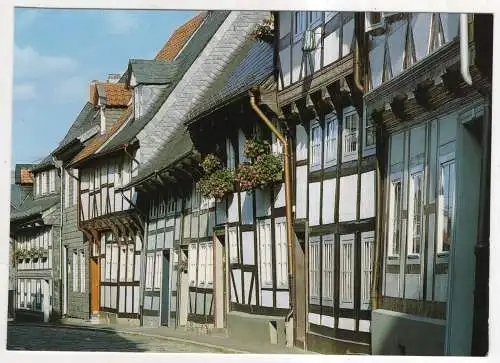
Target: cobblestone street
[{"x": 38, "y": 338}]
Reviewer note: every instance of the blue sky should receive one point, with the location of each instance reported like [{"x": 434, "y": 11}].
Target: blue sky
[{"x": 57, "y": 52}]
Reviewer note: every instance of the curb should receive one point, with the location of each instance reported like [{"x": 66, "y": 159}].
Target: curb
[{"x": 113, "y": 330}]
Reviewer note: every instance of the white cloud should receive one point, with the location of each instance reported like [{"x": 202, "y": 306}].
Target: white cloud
[
  {"x": 29, "y": 63},
  {"x": 24, "y": 91},
  {"x": 120, "y": 22}
]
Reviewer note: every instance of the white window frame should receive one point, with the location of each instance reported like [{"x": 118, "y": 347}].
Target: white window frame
[
  {"x": 367, "y": 246},
  {"x": 346, "y": 272},
  {"x": 74, "y": 270},
  {"x": 232, "y": 235},
  {"x": 66, "y": 189},
  {"x": 315, "y": 146},
  {"x": 314, "y": 269},
  {"x": 328, "y": 268},
  {"x": 202, "y": 264},
  {"x": 158, "y": 270},
  {"x": 150, "y": 260},
  {"x": 192, "y": 263},
  {"x": 281, "y": 253},
  {"x": 52, "y": 180},
  {"x": 313, "y": 19},
  {"x": 276, "y": 144},
  {"x": 349, "y": 136},
  {"x": 130, "y": 261},
  {"x": 369, "y": 124},
  {"x": 330, "y": 140},
  {"x": 445, "y": 160},
  {"x": 114, "y": 262},
  {"x": 123, "y": 263},
  {"x": 392, "y": 222},
  {"x": 415, "y": 171},
  {"x": 209, "y": 265},
  {"x": 265, "y": 253},
  {"x": 82, "y": 271},
  {"x": 230, "y": 154}
]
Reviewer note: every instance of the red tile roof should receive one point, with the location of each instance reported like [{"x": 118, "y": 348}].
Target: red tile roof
[
  {"x": 26, "y": 176},
  {"x": 179, "y": 38},
  {"x": 117, "y": 94}
]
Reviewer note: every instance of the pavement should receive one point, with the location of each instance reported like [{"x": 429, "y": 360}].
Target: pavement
[{"x": 80, "y": 335}]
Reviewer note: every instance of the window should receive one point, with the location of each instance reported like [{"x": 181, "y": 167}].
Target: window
[
  {"x": 328, "y": 264},
  {"x": 130, "y": 262},
  {"x": 192, "y": 257},
  {"x": 210, "y": 264},
  {"x": 114, "y": 262},
  {"x": 313, "y": 18},
  {"x": 202, "y": 265},
  {"x": 281, "y": 253},
  {"x": 415, "y": 205},
  {"x": 231, "y": 158},
  {"x": 233, "y": 244},
  {"x": 350, "y": 136},
  {"x": 158, "y": 270},
  {"x": 299, "y": 23},
  {"x": 277, "y": 146},
  {"x": 394, "y": 237},
  {"x": 315, "y": 148},
  {"x": 346, "y": 271},
  {"x": 66, "y": 189},
  {"x": 437, "y": 33},
  {"x": 123, "y": 262},
  {"x": 314, "y": 269},
  {"x": 446, "y": 204},
  {"x": 331, "y": 141},
  {"x": 75, "y": 271},
  {"x": 52, "y": 180},
  {"x": 264, "y": 235},
  {"x": 373, "y": 20},
  {"x": 150, "y": 260},
  {"x": 370, "y": 132},
  {"x": 45, "y": 182},
  {"x": 23, "y": 294},
  {"x": 82, "y": 271},
  {"x": 367, "y": 239}
]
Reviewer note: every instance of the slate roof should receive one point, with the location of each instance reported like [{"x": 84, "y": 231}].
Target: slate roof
[
  {"x": 31, "y": 207},
  {"x": 178, "y": 147},
  {"x": 180, "y": 37},
  {"x": 85, "y": 120},
  {"x": 46, "y": 163},
  {"x": 252, "y": 67},
  {"x": 17, "y": 194},
  {"x": 185, "y": 59},
  {"x": 152, "y": 71}
]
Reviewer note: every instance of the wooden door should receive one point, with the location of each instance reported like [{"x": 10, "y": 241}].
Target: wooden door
[
  {"x": 95, "y": 285},
  {"x": 165, "y": 288}
]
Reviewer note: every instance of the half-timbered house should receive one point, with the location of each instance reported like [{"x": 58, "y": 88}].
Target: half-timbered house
[
  {"x": 106, "y": 216},
  {"x": 320, "y": 92},
  {"x": 75, "y": 252},
  {"x": 193, "y": 70},
  {"x": 34, "y": 228},
  {"x": 429, "y": 98}
]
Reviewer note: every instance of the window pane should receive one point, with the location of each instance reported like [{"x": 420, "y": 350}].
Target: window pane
[
  {"x": 415, "y": 219},
  {"x": 396, "y": 216},
  {"x": 447, "y": 198}
]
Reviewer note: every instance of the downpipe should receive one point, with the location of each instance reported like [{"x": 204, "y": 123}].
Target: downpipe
[
  {"x": 288, "y": 198},
  {"x": 464, "y": 49}
]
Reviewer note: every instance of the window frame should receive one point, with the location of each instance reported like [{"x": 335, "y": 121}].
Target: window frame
[
  {"x": 347, "y": 239},
  {"x": 298, "y": 33},
  {"x": 315, "y": 143},
  {"x": 230, "y": 154},
  {"x": 192, "y": 263},
  {"x": 448, "y": 159},
  {"x": 350, "y": 155},
  {"x": 328, "y": 240},
  {"x": 281, "y": 253},
  {"x": 410, "y": 244},
  {"x": 366, "y": 282},
  {"x": 395, "y": 178},
  {"x": 314, "y": 269},
  {"x": 333, "y": 120},
  {"x": 265, "y": 253},
  {"x": 74, "y": 270},
  {"x": 233, "y": 238},
  {"x": 82, "y": 271}
]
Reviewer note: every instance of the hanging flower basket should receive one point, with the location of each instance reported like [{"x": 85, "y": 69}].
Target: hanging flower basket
[
  {"x": 265, "y": 30},
  {"x": 217, "y": 181},
  {"x": 264, "y": 169}
]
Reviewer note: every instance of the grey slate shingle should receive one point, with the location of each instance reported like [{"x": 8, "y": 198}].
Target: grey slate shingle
[
  {"x": 184, "y": 60},
  {"x": 153, "y": 71},
  {"x": 31, "y": 207}
]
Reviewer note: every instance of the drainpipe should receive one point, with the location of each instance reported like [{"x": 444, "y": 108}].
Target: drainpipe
[
  {"x": 61, "y": 210},
  {"x": 288, "y": 198},
  {"x": 464, "y": 49},
  {"x": 357, "y": 57}
]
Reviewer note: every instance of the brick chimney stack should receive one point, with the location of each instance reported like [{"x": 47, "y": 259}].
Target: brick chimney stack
[{"x": 93, "y": 96}]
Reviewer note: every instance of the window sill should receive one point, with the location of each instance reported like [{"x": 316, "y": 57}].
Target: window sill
[
  {"x": 443, "y": 254},
  {"x": 413, "y": 256}
]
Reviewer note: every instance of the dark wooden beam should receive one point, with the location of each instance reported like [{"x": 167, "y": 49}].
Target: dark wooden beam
[
  {"x": 398, "y": 105},
  {"x": 422, "y": 94}
]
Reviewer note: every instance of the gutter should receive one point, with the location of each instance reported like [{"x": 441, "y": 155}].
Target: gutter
[
  {"x": 464, "y": 49},
  {"x": 288, "y": 199}
]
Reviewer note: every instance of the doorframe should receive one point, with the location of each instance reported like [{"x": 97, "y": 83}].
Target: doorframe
[{"x": 165, "y": 252}]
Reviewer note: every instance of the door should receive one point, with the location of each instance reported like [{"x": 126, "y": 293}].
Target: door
[
  {"x": 94, "y": 285},
  {"x": 165, "y": 288},
  {"x": 45, "y": 294},
  {"x": 65, "y": 281}
]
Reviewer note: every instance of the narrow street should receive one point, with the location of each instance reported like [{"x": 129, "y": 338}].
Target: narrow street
[{"x": 38, "y": 338}]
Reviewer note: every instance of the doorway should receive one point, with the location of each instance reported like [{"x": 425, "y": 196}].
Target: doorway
[
  {"x": 94, "y": 286},
  {"x": 165, "y": 289}
]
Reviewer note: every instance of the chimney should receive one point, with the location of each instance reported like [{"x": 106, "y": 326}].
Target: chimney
[
  {"x": 114, "y": 77},
  {"x": 93, "y": 97}
]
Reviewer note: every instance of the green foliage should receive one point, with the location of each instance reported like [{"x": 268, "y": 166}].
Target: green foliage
[
  {"x": 264, "y": 169},
  {"x": 265, "y": 31},
  {"x": 217, "y": 181}
]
